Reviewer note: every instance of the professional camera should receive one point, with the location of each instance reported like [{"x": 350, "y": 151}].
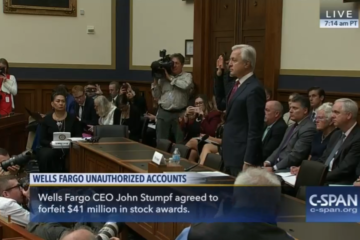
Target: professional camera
[
  {"x": 158, "y": 66},
  {"x": 21, "y": 160},
  {"x": 109, "y": 230}
]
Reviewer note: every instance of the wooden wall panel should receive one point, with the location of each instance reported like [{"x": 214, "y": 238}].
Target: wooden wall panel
[{"x": 36, "y": 95}]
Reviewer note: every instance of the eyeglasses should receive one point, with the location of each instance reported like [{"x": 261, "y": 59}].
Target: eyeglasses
[
  {"x": 199, "y": 103},
  {"x": 16, "y": 186}
]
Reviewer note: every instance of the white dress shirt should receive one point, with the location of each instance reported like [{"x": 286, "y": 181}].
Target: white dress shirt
[
  {"x": 244, "y": 78},
  {"x": 19, "y": 215}
]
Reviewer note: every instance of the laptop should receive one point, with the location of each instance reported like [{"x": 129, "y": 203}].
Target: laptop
[
  {"x": 34, "y": 115},
  {"x": 61, "y": 136}
]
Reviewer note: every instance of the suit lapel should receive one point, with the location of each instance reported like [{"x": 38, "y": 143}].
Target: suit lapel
[
  {"x": 347, "y": 142},
  {"x": 293, "y": 133},
  {"x": 241, "y": 88}
]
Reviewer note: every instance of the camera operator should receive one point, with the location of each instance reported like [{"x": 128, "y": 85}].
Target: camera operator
[
  {"x": 173, "y": 93},
  {"x": 12, "y": 170}
]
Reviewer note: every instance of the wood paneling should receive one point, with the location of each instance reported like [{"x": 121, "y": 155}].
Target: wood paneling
[
  {"x": 13, "y": 133},
  {"x": 219, "y": 24},
  {"x": 36, "y": 95}
]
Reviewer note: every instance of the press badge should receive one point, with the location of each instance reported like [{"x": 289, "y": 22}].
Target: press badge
[{"x": 7, "y": 99}]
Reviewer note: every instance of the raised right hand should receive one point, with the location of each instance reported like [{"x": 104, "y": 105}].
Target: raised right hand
[{"x": 190, "y": 110}]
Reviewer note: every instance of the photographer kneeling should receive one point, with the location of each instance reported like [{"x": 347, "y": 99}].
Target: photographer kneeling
[{"x": 13, "y": 170}]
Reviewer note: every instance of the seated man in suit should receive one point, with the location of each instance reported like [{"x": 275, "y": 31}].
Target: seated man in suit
[
  {"x": 266, "y": 203},
  {"x": 275, "y": 128},
  {"x": 342, "y": 154},
  {"x": 296, "y": 144},
  {"x": 84, "y": 109}
]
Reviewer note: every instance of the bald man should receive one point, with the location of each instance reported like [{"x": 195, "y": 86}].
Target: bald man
[
  {"x": 81, "y": 234},
  {"x": 275, "y": 128}
]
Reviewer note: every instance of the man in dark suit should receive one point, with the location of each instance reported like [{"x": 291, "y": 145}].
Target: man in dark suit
[
  {"x": 84, "y": 109},
  {"x": 114, "y": 91},
  {"x": 243, "y": 129},
  {"x": 342, "y": 153},
  {"x": 296, "y": 144},
  {"x": 275, "y": 128}
]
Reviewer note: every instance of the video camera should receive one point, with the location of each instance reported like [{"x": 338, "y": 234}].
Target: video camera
[
  {"x": 158, "y": 66},
  {"x": 21, "y": 160}
]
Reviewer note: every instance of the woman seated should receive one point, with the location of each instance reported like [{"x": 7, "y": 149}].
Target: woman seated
[
  {"x": 108, "y": 113},
  {"x": 326, "y": 128},
  {"x": 53, "y": 160},
  {"x": 212, "y": 145},
  {"x": 200, "y": 119},
  {"x": 130, "y": 116}
]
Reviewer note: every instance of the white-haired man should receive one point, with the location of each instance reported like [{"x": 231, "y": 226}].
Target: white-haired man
[
  {"x": 244, "y": 124},
  {"x": 266, "y": 202}
]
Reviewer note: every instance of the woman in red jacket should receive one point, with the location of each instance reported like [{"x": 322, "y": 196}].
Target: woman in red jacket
[
  {"x": 200, "y": 119},
  {"x": 8, "y": 89}
]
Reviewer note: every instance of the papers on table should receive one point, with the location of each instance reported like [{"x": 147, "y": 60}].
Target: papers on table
[
  {"x": 214, "y": 174},
  {"x": 78, "y": 139},
  {"x": 152, "y": 125},
  {"x": 288, "y": 178}
]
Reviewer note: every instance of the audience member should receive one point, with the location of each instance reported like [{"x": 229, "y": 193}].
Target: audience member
[
  {"x": 8, "y": 88},
  {"x": 12, "y": 170},
  {"x": 316, "y": 97},
  {"x": 223, "y": 81},
  {"x": 84, "y": 109},
  {"x": 343, "y": 150},
  {"x": 244, "y": 113},
  {"x": 109, "y": 114},
  {"x": 266, "y": 202},
  {"x": 211, "y": 144},
  {"x": 197, "y": 120},
  {"x": 296, "y": 144},
  {"x": 138, "y": 100},
  {"x": 114, "y": 91},
  {"x": 92, "y": 90},
  {"x": 275, "y": 128},
  {"x": 70, "y": 101},
  {"x": 286, "y": 116},
  {"x": 53, "y": 160},
  {"x": 131, "y": 117},
  {"x": 173, "y": 93},
  {"x": 325, "y": 127}
]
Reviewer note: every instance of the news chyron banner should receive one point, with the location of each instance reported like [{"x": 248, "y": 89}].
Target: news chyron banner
[
  {"x": 332, "y": 204},
  {"x": 165, "y": 197},
  {"x": 339, "y": 14}
]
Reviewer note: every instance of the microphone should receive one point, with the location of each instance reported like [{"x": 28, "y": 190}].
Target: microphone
[{"x": 192, "y": 167}]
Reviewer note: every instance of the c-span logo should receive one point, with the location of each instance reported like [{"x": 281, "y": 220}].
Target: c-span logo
[
  {"x": 332, "y": 204},
  {"x": 338, "y": 14}
]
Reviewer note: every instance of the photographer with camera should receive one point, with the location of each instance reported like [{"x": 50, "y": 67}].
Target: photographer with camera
[
  {"x": 93, "y": 90},
  {"x": 8, "y": 89},
  {"x": 10, "y": 170},
  {"x": 172, "y": 86}
]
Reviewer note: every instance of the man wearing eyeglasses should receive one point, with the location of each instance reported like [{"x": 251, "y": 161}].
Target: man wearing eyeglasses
[
  {"x": 12, "y": 196},
  {"x": 12, "y": 170}
]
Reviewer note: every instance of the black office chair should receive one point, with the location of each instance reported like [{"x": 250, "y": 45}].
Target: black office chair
[
  {"x": 213, "y": 161},
  {"x": 144, "y": 129},
  {"x": 163, "y": 145},
  {"x": 103, "y": 131},
  {"x": 184, "y": 150},
  {"x": 311, "y": 173}
]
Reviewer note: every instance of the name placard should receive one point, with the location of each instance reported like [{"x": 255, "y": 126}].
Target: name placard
[{"x": 158, "y": 158}]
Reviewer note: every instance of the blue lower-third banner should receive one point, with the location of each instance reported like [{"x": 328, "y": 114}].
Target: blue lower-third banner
[
  {"x": 332, "y": 204},
  {"x": 154, "y": 204}
]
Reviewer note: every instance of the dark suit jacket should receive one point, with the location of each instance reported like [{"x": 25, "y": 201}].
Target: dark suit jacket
[
  {"x": 346, "y": 161},
  {"x": 244, "y": 124},
  {"x": 222, "y": 87},
  {"x": 273, "y": 137},
  {"x": 89, "y": 116},
  {"x": 298, "y": 147},
  {"x": 117, "y": 102}
]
